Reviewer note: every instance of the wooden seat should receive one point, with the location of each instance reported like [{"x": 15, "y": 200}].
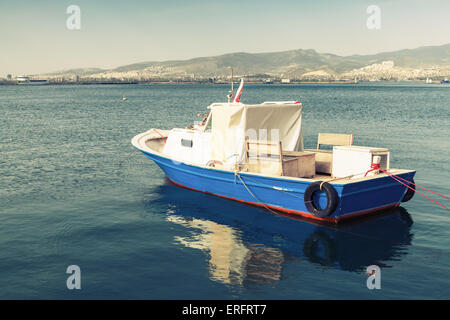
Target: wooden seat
[
  {"x": 324, "y": 158},
  {"x": 334, "y": 139}
]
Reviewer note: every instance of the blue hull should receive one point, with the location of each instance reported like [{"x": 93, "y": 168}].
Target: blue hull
[{"x": 286, "y": 195}]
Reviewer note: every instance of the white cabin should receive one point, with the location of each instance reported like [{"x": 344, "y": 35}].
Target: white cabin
[{"x": 221, "y": 139}]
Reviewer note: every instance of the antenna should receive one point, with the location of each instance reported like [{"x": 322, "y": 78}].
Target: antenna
[{"x": 231, "y": 94}]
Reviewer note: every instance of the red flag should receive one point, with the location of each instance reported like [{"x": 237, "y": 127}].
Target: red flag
[{"x": 239, "y": 92}]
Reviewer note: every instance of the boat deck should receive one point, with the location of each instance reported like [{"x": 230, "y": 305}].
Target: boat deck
[{"x": 156, "y": 143}]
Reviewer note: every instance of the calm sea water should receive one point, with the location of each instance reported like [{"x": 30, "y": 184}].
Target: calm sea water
[{"x": 73, "y": 192}]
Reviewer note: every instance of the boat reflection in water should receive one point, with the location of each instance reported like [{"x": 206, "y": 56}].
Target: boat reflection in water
[
  {"x": 230, "y": 259},
  {"x": 247, "y": 245}
]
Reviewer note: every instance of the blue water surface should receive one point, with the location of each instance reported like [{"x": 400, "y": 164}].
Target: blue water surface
[{"x": 75, "y": 192}]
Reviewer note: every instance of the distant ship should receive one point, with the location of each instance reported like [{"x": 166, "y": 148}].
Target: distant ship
[
  {"x": 28, "y": 80},
  {"x": 268, "y": 81},
  {"x": 428, "y": 80},
  {"x": 445, "y": 81}
]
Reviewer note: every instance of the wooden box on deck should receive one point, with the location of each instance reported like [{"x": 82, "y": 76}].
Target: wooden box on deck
[
  {"x": 299, "y": 164},
  {"x": 269, "y": 158}
]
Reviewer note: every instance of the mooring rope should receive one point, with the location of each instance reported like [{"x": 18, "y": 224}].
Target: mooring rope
[
  {"x": 421, "y": 187},
  {"x": 251, "y": 193},
  {"x": 395, "y": 177},
  {"x": 164, "y": 139},
  {"x": 132, "y": 153},
  {"x": 236, "y": 173},
  {"x": 296, "y": 196},
  {"x": 272, "y": 187}
]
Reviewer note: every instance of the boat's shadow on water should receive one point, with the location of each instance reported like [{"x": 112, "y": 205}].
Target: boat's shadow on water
[{"x": 250, "y": 245}]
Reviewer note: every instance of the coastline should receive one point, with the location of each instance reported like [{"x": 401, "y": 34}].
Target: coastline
[{"x": 14, "y": 83}]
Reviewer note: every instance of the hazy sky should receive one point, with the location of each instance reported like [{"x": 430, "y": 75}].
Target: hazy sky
[{"x": 34, "y": 37}]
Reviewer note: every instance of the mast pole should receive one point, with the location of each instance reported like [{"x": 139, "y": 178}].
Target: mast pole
[
  {"x": 232, "y": 84},
  {"x": 231, "y": 95}
]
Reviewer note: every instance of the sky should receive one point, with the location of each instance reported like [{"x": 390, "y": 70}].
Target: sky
[{"x": 34, "y": 37}]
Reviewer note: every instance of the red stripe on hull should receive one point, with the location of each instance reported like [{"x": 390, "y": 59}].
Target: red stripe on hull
[{"x": 290, "y": 211}]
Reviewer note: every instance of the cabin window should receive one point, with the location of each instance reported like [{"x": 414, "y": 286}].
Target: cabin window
[{"x": 186, "y": 143}]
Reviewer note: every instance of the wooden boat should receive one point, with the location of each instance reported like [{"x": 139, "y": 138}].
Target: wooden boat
[{"x": 254, "y": 154}]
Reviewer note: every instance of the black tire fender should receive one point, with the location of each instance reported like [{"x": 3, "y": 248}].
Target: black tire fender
[
  {"x": 310, "y": 248},
  {"x": 332, "y": 199},
  {"x": 409, "y": 192}
]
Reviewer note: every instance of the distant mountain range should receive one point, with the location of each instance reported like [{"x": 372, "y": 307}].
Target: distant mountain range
[{"x": 301, "y": 63}]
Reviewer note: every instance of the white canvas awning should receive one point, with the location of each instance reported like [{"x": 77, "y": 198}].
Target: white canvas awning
[{"x": 232, "y": 123}]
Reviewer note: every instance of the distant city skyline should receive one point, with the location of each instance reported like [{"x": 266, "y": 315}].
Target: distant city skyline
[{"x": 35, "y": 39}]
